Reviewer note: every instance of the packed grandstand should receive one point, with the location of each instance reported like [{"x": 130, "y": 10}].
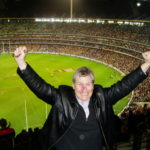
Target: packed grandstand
[{"x": 117, "y": 45}]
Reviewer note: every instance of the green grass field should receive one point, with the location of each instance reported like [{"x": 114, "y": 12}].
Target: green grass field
[{"x": 22, "y": 108}]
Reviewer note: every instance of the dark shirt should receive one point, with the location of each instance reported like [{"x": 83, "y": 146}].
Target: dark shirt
[{"x": 84, "y": 134}]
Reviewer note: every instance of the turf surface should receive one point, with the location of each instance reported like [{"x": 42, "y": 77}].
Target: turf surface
[{"x": 22, "y": 108}]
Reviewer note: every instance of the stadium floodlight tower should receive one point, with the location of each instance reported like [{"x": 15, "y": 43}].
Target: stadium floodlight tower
[{"x": 71, "y": 9}]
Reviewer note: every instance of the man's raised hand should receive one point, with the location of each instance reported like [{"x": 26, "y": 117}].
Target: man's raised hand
[{"x": 19, "y": 55}]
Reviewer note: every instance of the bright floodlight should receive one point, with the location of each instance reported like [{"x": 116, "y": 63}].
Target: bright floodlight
[{"x": 138, "y": 4}]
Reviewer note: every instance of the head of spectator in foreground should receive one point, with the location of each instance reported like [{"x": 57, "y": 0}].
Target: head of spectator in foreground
[
  {"x": 83, "y": 83},
  {"x": 4, "y": 124}
]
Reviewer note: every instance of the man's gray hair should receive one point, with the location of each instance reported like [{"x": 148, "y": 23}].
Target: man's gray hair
[{"x": 83, "y": 71}]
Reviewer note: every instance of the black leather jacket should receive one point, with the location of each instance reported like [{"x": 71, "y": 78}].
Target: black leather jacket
[{"x": 65, "y": 106}]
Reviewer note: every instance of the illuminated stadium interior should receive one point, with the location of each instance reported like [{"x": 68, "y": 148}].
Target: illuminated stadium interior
[{"x": 116, "y": 43}]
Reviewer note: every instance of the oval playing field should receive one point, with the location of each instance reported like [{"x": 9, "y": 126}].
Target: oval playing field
[{"x": 21, "y": 107}]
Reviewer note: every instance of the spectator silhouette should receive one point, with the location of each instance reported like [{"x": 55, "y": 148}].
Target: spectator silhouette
[{"x": 7, "y": 135}]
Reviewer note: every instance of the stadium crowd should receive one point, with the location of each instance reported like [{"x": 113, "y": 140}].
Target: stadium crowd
[
  {"x": 88, "y": 40},
  {"x": 126, "y": 32}
]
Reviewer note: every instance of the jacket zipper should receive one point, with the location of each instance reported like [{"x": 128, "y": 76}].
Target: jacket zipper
[
  {"x": 100, "y": 124},
  {"x": 65, "y": 131}
]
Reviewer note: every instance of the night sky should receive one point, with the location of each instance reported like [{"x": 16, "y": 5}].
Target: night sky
[{"x": 81, "y": 8}]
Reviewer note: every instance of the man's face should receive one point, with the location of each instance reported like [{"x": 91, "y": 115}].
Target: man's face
[{"x": 83, "y": 87}]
